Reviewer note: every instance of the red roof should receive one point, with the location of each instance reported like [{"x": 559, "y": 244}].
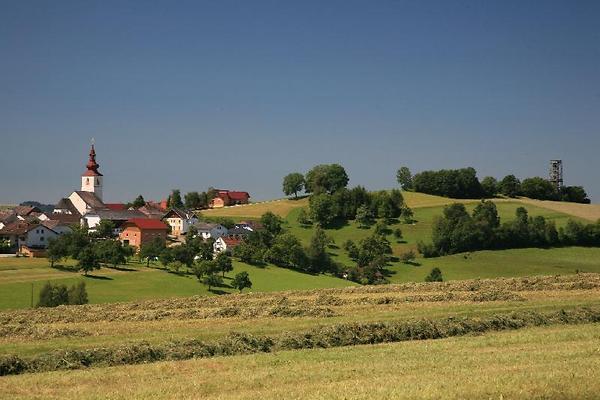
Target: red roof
[
  {"x": 147, "y": 223},
  {"x": 234, "y": 195},
  {"x": 231, "y": 241},
  {"x": 115, "y": 206}
]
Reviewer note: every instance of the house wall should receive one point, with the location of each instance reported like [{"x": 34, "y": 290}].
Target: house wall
[
  {"x": 137, "y": 237},
  {"x": 131, "y": 235},
  {"x": 217, "y": 202},
  {"x": 176, "y": 225},
  {"x": 39, "y": 236}
]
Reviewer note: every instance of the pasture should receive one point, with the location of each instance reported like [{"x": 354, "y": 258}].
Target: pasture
[{"x": 310, "y": 338}]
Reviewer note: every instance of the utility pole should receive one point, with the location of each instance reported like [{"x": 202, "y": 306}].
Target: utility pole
[{"x": 31, "y": 294}]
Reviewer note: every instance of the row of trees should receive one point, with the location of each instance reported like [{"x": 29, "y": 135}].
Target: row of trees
[
  {"x": 191, "y": 200},
  {"x": 90, "y": 250},
  {"x": 534, "y": 188},
  {"x": 458, "y": 231},
  {"x": 464, "y": 184}
]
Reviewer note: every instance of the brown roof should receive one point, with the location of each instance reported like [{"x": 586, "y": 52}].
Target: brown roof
[
  {"x": 15, "y": 228},
  {"x": 66, "y": 204},
  {"x": 183, "y": 214},
  {"x": 90, "y": 199},
  {"x": 151, "y": 211},
  {"x": 25, "y": 210},
  {"x": 65, "y": 219}
]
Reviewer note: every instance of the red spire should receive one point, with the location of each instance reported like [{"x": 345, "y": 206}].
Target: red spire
[{"x": 92, "y": 165}]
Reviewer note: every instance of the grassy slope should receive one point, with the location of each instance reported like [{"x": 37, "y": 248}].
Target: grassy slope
[
  {"x": 107, "y": 285},
  {"x": 549, "y": 362}
]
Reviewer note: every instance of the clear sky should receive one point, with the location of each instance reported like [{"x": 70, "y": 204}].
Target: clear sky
[{"x": 235, "y": 94}]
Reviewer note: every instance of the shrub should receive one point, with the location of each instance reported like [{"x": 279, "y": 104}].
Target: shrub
[{"x": 434, "y": 276}]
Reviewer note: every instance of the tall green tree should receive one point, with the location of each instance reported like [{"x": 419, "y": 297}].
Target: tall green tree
[
  {"x": 58, "y": 249},
  {"x": 88, "y": 259},
  {"x": 404, "y": 178},
  {"x": 490, "y": 186},
  {"x": 364, "y": 218},
  {"x": 224, "y": 263},
  {"x": 192, "y": 200},
  {"x": 175, "y": 199},
  {"x": 326, "y": 178},
  {"x": 293, "y": 183},
  {"x": 139, "y": 202},
  {"x": 510, "y": 186},
  {"x": 322, "y": 209},
  {"x": 241, "y": 281},
  {"x": 151, "y": 250}
]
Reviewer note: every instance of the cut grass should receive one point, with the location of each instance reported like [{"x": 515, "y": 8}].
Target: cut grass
[
  {"x": 548, "y": 362},
  {"x": 203, "y": 318}
]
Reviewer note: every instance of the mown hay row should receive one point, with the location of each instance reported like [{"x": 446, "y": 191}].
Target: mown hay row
[
  {"x": 319, "y": 337},
  {"x": 257, "y": 304}
]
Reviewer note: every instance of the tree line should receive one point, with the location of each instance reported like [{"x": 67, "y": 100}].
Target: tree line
[
  {"x": 458, "y": 231},
  {"x": 464, "y": 184}
]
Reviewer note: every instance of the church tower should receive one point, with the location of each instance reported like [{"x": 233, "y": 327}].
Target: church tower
[{"x": 91, "y": 179}]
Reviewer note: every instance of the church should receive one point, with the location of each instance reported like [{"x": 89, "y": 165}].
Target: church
[{"x": 88, "y": 204}]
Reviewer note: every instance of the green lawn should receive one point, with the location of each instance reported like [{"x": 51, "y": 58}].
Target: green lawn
[
  {"x": 19, "y": 276},
  {"x": 412, "y": 233}
]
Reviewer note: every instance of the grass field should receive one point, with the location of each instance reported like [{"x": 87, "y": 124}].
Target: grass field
[
  {"x": 19, "y": 276},
  {"x": 535, "y": 363},
  {"x": 280, "y": 207},
  {"x": 552, "y": 361}
]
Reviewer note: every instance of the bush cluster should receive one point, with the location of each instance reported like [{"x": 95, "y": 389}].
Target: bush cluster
[{"x": 57, "y": 295}]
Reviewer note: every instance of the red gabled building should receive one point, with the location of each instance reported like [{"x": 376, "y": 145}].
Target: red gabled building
[
  {"x": 138, "y": 231},
  {"x": 229, "y": 198}
]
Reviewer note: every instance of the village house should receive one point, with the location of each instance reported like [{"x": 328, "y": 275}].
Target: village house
[
  {"x": 208, "y": 230},
  {"x": 226, "y": 244},
  {"x": 92, "y": 218},
  {"x": 179, "y": 221},
  {"x": 138, "y": 231},
  {"x": 239, "y": 232},
  {"x": 226, "y": 198},
  {"x": 26, "y": 238}
]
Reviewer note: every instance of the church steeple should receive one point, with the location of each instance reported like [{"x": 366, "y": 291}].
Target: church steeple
[
  {"x": 92, "y": 165},
  {"x": 90, "y": 179}
]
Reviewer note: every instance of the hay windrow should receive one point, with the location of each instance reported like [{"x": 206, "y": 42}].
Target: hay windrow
[{"x": 319, "y": 337}]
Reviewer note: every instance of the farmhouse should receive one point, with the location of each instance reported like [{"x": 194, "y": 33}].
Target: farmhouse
[
  {"x": 226, "y": 198},
  {"x": 26, "y": 238},
  {"x": 138, "y": 231},
  {"x": 179, "y": 220},
  {"x": 226, "y": 244},
  {"x": 207, "y": 230}
]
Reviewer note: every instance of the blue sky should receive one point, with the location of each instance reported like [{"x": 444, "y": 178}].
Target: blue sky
[{"x": 235, "y": 94}]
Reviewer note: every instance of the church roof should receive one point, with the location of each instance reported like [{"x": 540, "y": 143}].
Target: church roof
[
  {"x": 90, "y": 199},
  {"x": 92, "y": 165}
]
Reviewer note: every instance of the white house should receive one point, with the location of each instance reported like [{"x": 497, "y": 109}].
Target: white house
[
  {"x": 179, "y": 220},
  {"x": 37, "y": 236},
  {"x": 225, "y": 244},
  {"x": 208, "y": 231}
]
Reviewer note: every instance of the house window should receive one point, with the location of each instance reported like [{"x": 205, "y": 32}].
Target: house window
[{"x": 41, "y": 238}]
